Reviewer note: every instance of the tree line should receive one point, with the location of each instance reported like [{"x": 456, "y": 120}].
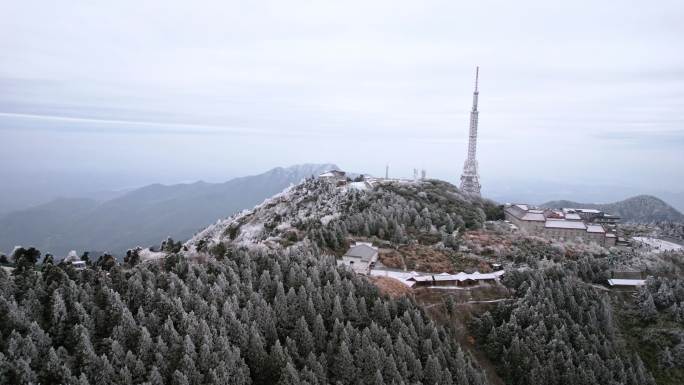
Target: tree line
[
  {"x": 558, "y": 331},
  {"x": 252, "y": 318}
]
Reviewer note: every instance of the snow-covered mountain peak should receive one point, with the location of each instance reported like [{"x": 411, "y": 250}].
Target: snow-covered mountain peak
[{"x": 328, "y": 213}]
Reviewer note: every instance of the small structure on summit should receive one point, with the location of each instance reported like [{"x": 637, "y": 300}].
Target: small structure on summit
[
  {"x": 360, "y": 258},
  {"x": 337, "y": 177},
  {"x": 74, "y": 260},
  {"x": 333, "y": 175},
  {"x": 71, "y": 257}
]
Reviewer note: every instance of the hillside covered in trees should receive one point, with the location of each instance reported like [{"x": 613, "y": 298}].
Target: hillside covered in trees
[
  {"x": 426, "y": 212},
  {"x": 267, "y": 307},
  {"x": 557, "y": 331},
  {"x": 251, "y": 318},
  {"x": 257, "y": 298}
]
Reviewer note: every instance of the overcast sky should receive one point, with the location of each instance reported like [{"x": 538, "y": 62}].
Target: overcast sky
[{"x": 123, "y": 93}]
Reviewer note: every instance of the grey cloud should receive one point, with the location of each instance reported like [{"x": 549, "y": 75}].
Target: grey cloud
[{"x": 226, "y": 88}]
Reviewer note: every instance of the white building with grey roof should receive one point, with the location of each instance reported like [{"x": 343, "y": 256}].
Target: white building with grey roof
[{"x": 360, "y": 258}]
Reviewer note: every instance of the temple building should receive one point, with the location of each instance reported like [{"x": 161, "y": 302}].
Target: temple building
[{"x": 562, "y": 225}]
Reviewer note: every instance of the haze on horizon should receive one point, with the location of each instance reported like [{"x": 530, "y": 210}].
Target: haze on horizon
[{"x": 98, "y": 96}]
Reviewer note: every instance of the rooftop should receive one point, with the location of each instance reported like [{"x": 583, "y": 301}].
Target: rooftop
[
  {"x": 626, "y": 282},
  {"x": 563, "y": 224},
  {"x": 530, "y": 216},
  {"x": 588, "y": 211},
  {"x": 362, "y": 250},
  {"x": 332, "y": 173},
  {"x": 458, "y": 277},
  {"x": 591, "y": 228}
]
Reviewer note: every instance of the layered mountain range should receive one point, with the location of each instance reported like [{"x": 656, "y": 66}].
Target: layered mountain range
[
  {"x": 638, "y": 209},
  {"x": 144, "y": 216}
]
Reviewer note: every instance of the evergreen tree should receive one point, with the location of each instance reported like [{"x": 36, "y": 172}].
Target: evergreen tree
[
  {"x": 24, "y": 259},
  {"x": 289, "y": 376},
  {"x": 647, "y": 308},
  {"x": 343, "y": 366},
  {"x": 48, "y": 259}
]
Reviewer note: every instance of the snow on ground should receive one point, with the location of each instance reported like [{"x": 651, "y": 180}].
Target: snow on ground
[
  {"x": 214, "y": 232},
  {"x": 149, "y": 255},
  {"x": 359, "y": 185},
  {"x": 250, "y": 231},
  {"x": 284, "y": 226},
  {"x": 658, "y": 244}
]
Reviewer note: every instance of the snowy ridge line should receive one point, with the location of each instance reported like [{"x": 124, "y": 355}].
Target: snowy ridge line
[
  {"x": 306, "y": 201},
  {"x": 149, "y": 255},
  {"x": 222, "y": 224}
]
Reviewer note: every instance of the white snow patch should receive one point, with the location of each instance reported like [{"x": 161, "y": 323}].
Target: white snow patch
[
  {"x": 214, "y": 232},
  {"x": 251, "y": 231},
  {"x": 359, "y": 185},
  {"x": 149, "y": 255},
  {"x": 284, "y": 226},
  {"x": 658, "y": 244}
]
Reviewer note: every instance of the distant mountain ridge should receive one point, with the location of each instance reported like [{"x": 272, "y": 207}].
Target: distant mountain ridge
[
  {"x": 538, "y": 191},
  {"x": 143, "y": 216},
  {"x": 641, "y": 208}
]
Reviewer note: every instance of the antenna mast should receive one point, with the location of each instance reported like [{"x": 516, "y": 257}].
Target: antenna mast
[{"x": 470, "y": 179}]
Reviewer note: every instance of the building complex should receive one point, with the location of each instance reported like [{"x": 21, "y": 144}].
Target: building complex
[{"x": 564, "y": 224}]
